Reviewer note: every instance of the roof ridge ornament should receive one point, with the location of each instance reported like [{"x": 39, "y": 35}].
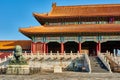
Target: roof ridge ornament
[{"x": 54, "y": 4}]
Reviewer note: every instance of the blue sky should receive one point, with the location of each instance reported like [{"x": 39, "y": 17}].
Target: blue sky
[{"x": 15, "y": 14}]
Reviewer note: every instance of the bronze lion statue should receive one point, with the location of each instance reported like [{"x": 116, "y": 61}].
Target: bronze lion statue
[
  {"x": 18, "y": 58},
  {"x": 18, "y": 53}
]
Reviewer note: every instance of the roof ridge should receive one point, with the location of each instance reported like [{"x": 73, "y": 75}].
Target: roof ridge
[{"x": 90, "y": 5}]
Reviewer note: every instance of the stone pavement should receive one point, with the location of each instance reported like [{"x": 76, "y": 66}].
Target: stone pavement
[{"x": 63, "y": 76}]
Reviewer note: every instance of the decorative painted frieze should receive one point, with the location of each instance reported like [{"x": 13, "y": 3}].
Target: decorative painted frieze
[
  {"x": 52, "y": 39},
  {"x": 71, "y": 39},
  {"x": 110, "y": 38},
  {"x": 89, "y": 38},
  {"x": 39, "y": 39},
  {"x": 75, "y": 38}
]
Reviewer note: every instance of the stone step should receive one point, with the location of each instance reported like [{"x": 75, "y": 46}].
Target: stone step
[
  {"x": 97, "y": 68},
  {"x": 100, "y": 71}
]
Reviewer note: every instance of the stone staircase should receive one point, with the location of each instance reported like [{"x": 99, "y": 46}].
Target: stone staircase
[{"x": 97, "y": 66}]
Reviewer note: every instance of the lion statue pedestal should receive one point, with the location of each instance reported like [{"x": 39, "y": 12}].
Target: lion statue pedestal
[{"x": 18, "y": 64}]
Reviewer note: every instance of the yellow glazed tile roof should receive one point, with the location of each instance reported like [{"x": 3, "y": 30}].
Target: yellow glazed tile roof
[{"x": 10, "y": 44}]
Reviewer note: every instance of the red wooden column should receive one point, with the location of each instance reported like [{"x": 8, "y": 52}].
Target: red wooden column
[
  {"x": 99, "y": 44},
  {"x": 79, "y": 47},
  {"x": 33, "y": 47},
  {"x": 44, "y": 47},
  {"x": 62, "y": 48},
  {"x": 98, "y": 47}
]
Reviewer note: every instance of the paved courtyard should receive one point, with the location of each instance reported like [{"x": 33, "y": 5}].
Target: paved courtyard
[{"x": 63, "y": 76}]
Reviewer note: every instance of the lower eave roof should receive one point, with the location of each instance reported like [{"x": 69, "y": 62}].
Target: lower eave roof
[
  {"x": 76, "y": 28},
  {"x": 10, "y": 44}
]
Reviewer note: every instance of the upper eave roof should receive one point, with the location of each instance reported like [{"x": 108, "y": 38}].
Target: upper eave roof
[
  {"x": 79, "y": 11},
  {"x": 83, "y": 10}
]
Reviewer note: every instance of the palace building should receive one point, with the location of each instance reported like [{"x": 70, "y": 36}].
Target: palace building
[
  {"x": 80, "y": 28},
  {"x": 80, "y": 38}
]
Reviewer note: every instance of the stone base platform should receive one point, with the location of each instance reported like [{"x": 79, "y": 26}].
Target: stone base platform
[
  {"x": 64, "y": 76},
  {"x": 18, "y": 69},
  {"x": 57, "y": 69}
]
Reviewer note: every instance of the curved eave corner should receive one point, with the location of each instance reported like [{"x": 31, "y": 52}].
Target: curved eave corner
[
  {"x": 21, "y": 30},
  {"x": 40, "y": 17}
]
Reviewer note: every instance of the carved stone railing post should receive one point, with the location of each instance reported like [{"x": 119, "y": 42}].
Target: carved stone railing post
[
  {"x": 70, "y": 51},
  {"x": 5, "y": 59},
  {"x": 58, "y": 54},
  {"x": 44, "y": 54},
  {"x": 64, "y": 52},
  {"x": 13, "y": 52},
  {"x": 50, "y": 52}
]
